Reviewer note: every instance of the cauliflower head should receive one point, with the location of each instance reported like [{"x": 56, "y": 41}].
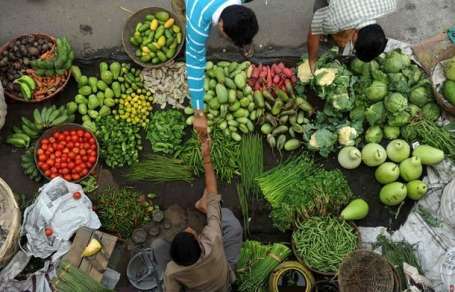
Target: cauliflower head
[
  {"x": 304, "y": 72},
  {"x": 347, "y": 136},
  {"x": 325, "y": 76}
]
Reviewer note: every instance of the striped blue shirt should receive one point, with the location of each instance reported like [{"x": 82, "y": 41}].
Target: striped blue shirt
[{"x": 198, "y": 23}]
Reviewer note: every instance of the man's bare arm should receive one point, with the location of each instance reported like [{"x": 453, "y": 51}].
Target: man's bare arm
[{"x": 313, "y": 43}]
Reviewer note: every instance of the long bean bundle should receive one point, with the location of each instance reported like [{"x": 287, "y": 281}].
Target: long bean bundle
[
  {"x": 71, "y": 279},
  {"x": 157, "y": 168},
  {"x": 225, "y": 154},
  {"x": 251, "y": 165},
  {"x": 276, "y": 182},
  {"x": 323, "y": 242},
  {"x": 257, "y": 262}
]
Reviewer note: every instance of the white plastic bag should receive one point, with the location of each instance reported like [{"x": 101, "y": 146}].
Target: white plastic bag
[{"x": 57, "y": 209}]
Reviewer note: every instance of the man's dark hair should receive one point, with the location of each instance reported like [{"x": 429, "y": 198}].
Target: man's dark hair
[
  {"x": 371, "y": 42},
  {"x": 185, "y": 249},
  {"x": 240, "y": 24}
]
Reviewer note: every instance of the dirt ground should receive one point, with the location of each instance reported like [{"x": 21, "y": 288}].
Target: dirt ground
[{"x": 361, "y": 181}]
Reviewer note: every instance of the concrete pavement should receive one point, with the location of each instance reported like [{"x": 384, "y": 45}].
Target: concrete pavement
[{"x": 95, "y": 25}]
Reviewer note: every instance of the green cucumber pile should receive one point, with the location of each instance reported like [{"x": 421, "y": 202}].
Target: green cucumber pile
[{"x": 156, "y": 38}]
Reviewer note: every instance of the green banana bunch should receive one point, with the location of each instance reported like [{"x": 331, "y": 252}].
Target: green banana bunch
[
  {"x": 27, "y": 85},
  {"x": 29, "y": 166},
  {"x": 29, "y": 130},
  {"x": 59, "y": 63}
]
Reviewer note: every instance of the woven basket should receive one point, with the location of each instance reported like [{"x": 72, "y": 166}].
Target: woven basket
[
  {"x": 438, "y": 74},
  {"x": 10, "y": 221},
  {"x": 290, "y": 266},
  {"x": 365, "y": 270}
]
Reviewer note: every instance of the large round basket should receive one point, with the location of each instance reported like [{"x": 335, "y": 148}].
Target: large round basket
[
  {"x": 285, "y": 267},
  {"x": 365, "y": 270},
  {"x": 19, "y": 98},
  {"x": 10, "y": 223},
  {"x": 67, "y": 127},
  {"x": 437, "y": 78},
  {"x": 130, "y": 28},
  {"x": 302, "y": 261}
]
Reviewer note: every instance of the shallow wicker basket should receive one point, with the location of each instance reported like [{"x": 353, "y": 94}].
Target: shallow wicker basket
[
  {"x": 437, "y": 75},
  {"x": 10, "y": 221},
  {"x": 365, "y": 270},
  {"x": 130, "y": 27},
  {"x": 62, "y": 86}
]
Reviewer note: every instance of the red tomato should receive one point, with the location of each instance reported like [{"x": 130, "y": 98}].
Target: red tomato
[
  {"x": 68, "y": 138},
  {"x": 57, "y": 165},
  {"x": 67, "y": 176},
  {"x": 47, "y": 173},
  {"x": 52, "y": 156},
  {"x": 50, "y": 148},
  {"x": 66, "y": 150},
  {"x": 78, "y": 162},
  {"x": 54, "y": 175},
  {"x": 52, "y": 140},
  {"x": 87, "y": 135},
  {"x": 50, "y": 162},
  {"x": 75, "y": 150},
  {"x": 84, "y": 172},
  {"x": 71, "y": 165},
  {"x": 91, "y": 140},
  {"x": 80, "y": 133},
  {"x": 93, "y": 147},
  {"x": 58, "y": 153},
  {"x": 75, "y": 176},
  {"x": 77, "y": 144},
  {"x": 76, "y": 195},
  {"x": 44, "y": 146},
  {"x": 42, "y": 157},
  {"x": 92, "y": 159},
  {"x": 65, "y": 170},
  {"x": 40, "y": 151},
  {"x": 60, "y": 146},
  {"x": 56, "y": 135},
  {"x": 70, "y": 144},
  {"x": 53, "y": 169},
  {"x": 84, "y": 158},
  {"x": 44, "y": 166},
  {"x": 64, "y": 165},
  {"x": 45, "y": 141},
  {"x": 71, "y": 155},
  {"x": 48, "y": 231}
]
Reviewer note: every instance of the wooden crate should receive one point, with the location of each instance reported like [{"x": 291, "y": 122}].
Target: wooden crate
[{"x": 96, "y": 265}]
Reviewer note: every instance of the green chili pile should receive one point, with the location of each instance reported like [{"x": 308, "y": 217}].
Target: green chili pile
[
  {"x": 165, "y": 131},
  {"x": 120, "y": 142},
  {"x": 323, "y": 242},
  {"x": 157, "y": 168},
  {"x": 120, "y": 210}
]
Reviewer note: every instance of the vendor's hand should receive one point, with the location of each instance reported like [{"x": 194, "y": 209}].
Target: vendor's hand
[
  {"x": 247, "y": 51},
  {"x": 200, "y": 124}
]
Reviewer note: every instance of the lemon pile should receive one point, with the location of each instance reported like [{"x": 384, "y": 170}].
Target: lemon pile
[{"x": 134, "y": 108}]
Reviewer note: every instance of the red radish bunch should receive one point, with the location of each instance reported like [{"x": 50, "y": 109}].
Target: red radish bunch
[
  {"x": 69, "y": 154},
  {"x": 267, "y": 77}
]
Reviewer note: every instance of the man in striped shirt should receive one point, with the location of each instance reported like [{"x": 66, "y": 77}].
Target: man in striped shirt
[
  {"x": 350, "y": 23},
  {"x": 235, "y": 21}
]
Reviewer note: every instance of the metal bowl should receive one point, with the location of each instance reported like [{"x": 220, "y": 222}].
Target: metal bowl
[
  {"x": 130, "y": 28},
  {"x": 20, "y": 98},
  {"x": 65, "y": 127}
]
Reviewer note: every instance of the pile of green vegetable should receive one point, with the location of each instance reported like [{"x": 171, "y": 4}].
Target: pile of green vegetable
[
  {"x": 119, "y": 141},
  {"x": 156, "y": 168},
  {"x": 59, "y": 63},
  {"x": 165, "y": 131},
  {"x": 323, "y": 242},
  {"x": 299, "y": 189},
  {"x": 230, "y": 104},
  {"x": 256, "y": 262},
  {"x": 71, "y": 279},
  {"x": 390, "y": 93},
  {"x": 118, "y": 84},
  {"x": 448, "y": 87},
  {"x": 225, "y": 154},
  {"x": 156, "y": 38},
  {"x": 120, "y": 210}
]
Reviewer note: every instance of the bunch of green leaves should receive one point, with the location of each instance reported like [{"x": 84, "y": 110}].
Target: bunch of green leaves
[
  {"x": 120, "y": 142},
  {"x": 165, "y": 130},
  {"x": 120, "y": 210},
  {"x": 225, "y": 154},
  {"x": 398, "y": 253},
  {"x": 89, "y": 184},
  {"x": 157, "y": 168},
  {"x": 320, "y": 194}
]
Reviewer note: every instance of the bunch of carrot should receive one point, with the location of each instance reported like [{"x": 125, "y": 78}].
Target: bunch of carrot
[
  {"x": 270, "y": 76},
  {"x": 46, "y": 85}
]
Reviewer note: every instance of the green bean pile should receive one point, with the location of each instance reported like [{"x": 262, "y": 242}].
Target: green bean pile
[{"x": 323, "y": 242}]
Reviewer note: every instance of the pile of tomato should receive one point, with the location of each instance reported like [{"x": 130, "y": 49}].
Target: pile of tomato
[{"x": 70, "y": 154}]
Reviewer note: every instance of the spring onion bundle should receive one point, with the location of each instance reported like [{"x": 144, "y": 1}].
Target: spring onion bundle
[
  {"x": 276, "y": 182},
  {"x": 71, "y": 279},
  {"x": 251, "y": 165},
  {"x": 256, "y": 263},
  {"x": 156, "y": 168},
  {"x": 323, "y": 242}
]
